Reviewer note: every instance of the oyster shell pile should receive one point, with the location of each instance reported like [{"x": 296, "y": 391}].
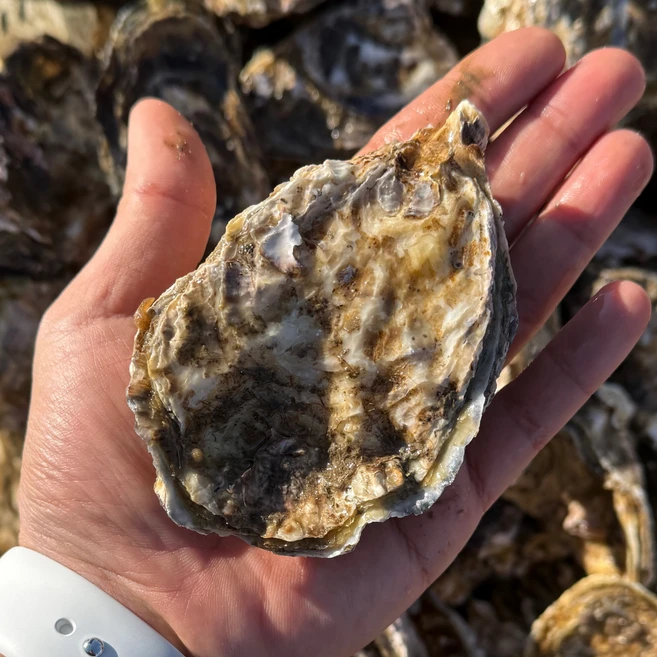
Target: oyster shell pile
[
  {"x": 173, "y": 50},
  {"x": 583, "y": 25},
  {"x": 48, "y": 136},
  {"x": 573, "y": 540},
  {"x": 328, "y": 363},
  {"x": 324, "y": 90},
  {"x": 55, "y": 207}
]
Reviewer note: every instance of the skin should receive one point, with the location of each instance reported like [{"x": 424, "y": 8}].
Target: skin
[{"x": 86, "y": 497}]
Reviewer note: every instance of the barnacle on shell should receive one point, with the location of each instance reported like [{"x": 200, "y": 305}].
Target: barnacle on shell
[{"x": 328, "y": 363}]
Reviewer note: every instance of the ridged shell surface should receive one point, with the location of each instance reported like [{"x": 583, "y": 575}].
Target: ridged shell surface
[{"x": 328, "y": 363}]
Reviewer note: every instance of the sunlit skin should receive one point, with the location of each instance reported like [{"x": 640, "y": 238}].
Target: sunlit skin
[{"x": 87, "y": 498}]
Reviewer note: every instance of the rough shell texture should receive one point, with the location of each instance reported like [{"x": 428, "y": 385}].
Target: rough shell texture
[
  {"x": 604, "y": 438},
  {"x": 400, "y": 639},
  {"x": 324, "y": 91},
  {"x": 175, "y": 51},
  {"x": 584, "y": 26},
  {"x": 588, "y": 483},
  {"x": 329, "y": 362},
  {"x": 629, "y": 24},
  {"x": 49, "y": 142},
  {"x": 598, "y": 616},
  {"x": 258, "y": 13},
  {"x": 80, "y": 25},
  {"x": 636, "y": 373},
  {"x": 503, "y": 550}
]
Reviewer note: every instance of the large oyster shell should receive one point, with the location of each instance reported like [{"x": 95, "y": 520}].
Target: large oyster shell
[{"x": 329, "y": 362}]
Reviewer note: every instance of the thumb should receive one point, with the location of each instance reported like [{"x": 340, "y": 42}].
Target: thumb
[{"x": 163, "y": 220}]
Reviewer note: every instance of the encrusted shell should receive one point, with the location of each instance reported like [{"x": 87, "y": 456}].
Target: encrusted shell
[
  {"x": 324, "y": 90},
  {"x": 328, "y": 363},
  {"x": 55, "y": 205},
  {"x": 176, "y": 51},
  {"x": 258, "y": 13},
  {"x": 598, "y": 616},
  {"x": 82, "y": 24}
]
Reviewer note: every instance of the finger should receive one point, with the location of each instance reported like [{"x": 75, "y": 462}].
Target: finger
[
  {"x": 532, "y": 156},
  {"x": 549, "y": 256},
  {"x": 163, "y": 220},
  {"x": 402, "y": 557},
  {"x": 499, "y": 78},
  {"x": 526, "y": 413}
]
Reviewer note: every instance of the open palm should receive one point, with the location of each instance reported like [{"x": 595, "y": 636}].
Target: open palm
[{"x": 564, "y": 181}]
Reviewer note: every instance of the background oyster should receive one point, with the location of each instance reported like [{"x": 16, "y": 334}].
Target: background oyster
[
  {"x": 579, "y": 509},
  {"x": 173, "y": 50},
  {"x": 82, "y": 25},
  {"x": 583, "y": 25},
  {"x": 258, "y": 13},
  {"x": 324, "y": 90},
  {"x": 329, "y": 362},
  {"x": 598, "y": 616},
  {"x": 49, "y": 142}
]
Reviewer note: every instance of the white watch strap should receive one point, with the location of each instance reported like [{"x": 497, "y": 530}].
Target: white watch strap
[{"x": 47, "y": 610}]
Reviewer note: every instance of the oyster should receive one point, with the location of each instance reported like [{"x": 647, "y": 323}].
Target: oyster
[
  {"x": 586, "y": 25},
  {"x": 506, "y": 545},
  {"x": 588, "y": 483},
  {"x": 400, "y": 639},
  {"x": 81, "y": 25},
  {"x": 582, "y": 26},
  {"x": 428, "y": 629},
  {"x": 325, "y": 90},
  {"x": 328, "y": 363},
  {"x": 174, "y": 50},
  {"x": 599, "y": 616},
  {"x": 258, "y": 13},
  {"x": 54, "y": 203},
  {"x": 442, "y": 629},
  {"x": 611, "y": 447},
  {"x": 500, "y": 610}
]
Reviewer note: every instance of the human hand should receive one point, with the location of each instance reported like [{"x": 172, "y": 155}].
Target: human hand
[{"x": 86, "y": 496}]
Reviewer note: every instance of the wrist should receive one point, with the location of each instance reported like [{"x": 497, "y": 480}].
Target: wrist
[
  {"x": 46, "y": 607},
  {"x": 120, "y": 587}
]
